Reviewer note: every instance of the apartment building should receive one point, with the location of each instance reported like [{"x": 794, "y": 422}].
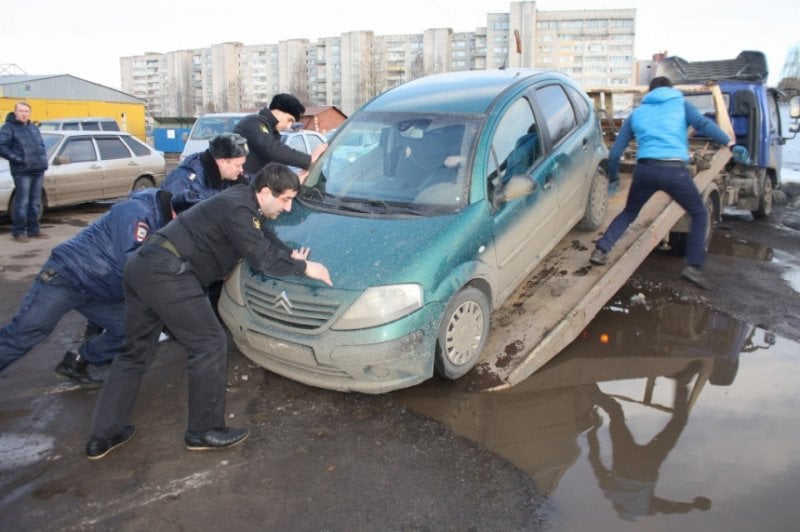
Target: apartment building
[{"x": 594, "y": 47}]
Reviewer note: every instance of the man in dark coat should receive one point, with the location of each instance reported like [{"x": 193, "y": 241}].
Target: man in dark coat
[
  {"x": 22, "y": 144},
  {"x": 165, "y": 284},
  {"x": 262, "y": 131}
]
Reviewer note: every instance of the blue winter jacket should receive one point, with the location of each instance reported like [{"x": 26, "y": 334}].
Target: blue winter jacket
[
  {"x": 660, "y": 125},
  {"x": 21, "y": 143},
  {"x": 93, "y": 260},
  {"x": 195, "y": 179}
]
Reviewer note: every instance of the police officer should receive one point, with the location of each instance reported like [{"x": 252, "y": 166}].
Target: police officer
[
  {"x": 85, "y": 274},
  {"x": 262, "y": 131},
  {"x": 164, "y": 285},
  {"x": 204, "y": 174}
]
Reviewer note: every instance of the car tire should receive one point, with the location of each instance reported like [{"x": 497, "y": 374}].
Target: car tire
[
  {"x": 463, "y": 333},
  {"x": 142, "y": 183},
  {"x": 597, "y": 203}
]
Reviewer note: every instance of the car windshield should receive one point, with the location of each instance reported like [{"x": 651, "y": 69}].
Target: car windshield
[
  {"x": 208, "y": 127},
  {"x": 396, "y": 162}
]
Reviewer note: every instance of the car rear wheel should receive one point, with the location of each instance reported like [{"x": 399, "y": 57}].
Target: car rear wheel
[
  {"x": 598, "y": 202},
  {"x": 463, "y": 333},
  {"x": 143, "y": 183}
]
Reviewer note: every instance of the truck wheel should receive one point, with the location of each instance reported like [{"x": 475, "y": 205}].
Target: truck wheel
[
  {"x": 764, "y": 200},
  {"x": 598, "y": 202},
  {"x": 677, "y": 239},
  {"x": 463, "y": 333}
]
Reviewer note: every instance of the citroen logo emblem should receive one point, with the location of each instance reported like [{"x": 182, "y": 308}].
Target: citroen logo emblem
[{"x": 282, "y": 301}]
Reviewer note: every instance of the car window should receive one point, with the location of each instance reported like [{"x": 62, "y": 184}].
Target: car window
[
  {"x": 91, "y": 126},
  {"x": 136, "y": 147},
  {"x": 313, "y": 142},
  {"x": 558, "y": 112},
  {"x": 79, "y": 150},
  {"x": 112, "y": 148},
  {"x": 581, "y": 105},
  {"x": 515, "y": 143},
  {"x": 109, "y": 125},
  {"x": 296, "y": 142},
  {"x": 71, "y": 126}
]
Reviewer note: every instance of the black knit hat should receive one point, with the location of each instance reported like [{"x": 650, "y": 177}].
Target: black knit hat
[
  {"x": 228, "y": 146},
  {"x": 288, "y": 104}
]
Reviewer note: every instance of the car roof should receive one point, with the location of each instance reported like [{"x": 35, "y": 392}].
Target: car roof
[
  {"x": 471, "y": 91},
  {"x": 84, "y": 133}
]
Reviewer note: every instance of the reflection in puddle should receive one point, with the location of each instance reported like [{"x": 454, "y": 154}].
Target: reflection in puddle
[
  {"x": 602, "y": 429},
  {"x": 725, "y": 244}
]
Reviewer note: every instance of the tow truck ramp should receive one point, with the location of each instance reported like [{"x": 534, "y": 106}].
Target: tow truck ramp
[{"x": 564, "y": 293}]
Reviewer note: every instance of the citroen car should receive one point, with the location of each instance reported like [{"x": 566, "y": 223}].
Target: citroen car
[{"x": 432, "y": 203}]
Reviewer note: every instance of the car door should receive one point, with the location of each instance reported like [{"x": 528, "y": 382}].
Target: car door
[
  {"x": 523, "y": 227},
  {"x": 569, "y": 155},
  {"x": 120, "y": 169},
  {"x": 75, "y": 174}
]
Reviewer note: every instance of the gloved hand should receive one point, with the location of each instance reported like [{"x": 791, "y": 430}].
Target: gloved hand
[{"x": 740, "y": 154}]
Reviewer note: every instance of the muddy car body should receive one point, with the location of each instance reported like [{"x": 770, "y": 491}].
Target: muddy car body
[{"x": 431, "y": 204}]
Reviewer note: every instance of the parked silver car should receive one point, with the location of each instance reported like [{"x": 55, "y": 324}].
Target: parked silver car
[{"x": 88, "y": 166}]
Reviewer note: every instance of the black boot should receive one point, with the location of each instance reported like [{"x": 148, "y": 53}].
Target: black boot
[{"x": 73, "y": 367}]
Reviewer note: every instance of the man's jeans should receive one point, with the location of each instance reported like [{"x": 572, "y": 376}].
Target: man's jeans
[
  {"x": 678, "y": 183},
  {"x": 48, "y": 300},
  {"x": 27, "y": 204}
]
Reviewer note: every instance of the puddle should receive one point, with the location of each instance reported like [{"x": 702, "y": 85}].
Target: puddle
[
  {"x": 727, "y": 245},
  {"x": 660, "y": 407}
]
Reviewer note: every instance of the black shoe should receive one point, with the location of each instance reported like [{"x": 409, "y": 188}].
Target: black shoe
[
  {"x": 599, "y": 257},
  {"x": 74, "y": 367},
  {"x": 218, "y": 438},
  {"x": 694, "y": 275},
  {"x": 97, "y": 448}
]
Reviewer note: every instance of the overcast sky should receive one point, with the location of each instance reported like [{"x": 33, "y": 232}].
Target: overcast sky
[{"x": 86, "y": 38}]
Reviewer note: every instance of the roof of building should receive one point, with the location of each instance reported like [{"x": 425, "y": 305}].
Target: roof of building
[{"x": 60, "y": 86}]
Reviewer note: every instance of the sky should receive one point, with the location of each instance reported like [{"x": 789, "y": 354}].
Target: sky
[{"x": 86, "y": 38}]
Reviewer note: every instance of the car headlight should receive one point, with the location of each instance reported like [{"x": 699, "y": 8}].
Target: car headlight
[{"x": 379, "y": 305}]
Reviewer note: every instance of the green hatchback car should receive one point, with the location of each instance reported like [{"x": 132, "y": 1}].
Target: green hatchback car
[{"x": 431, "y": 205}]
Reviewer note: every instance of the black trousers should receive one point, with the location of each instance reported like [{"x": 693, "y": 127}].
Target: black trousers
[{"x": 161, "y": 289}]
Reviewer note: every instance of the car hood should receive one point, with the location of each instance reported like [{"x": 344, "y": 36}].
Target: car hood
[{"x": 367, "y": 251}]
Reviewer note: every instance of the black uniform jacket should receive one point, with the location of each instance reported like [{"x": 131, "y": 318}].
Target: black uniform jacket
[
  {"x": 214, "y": 234},
  {"x": 264, "y": 142}
]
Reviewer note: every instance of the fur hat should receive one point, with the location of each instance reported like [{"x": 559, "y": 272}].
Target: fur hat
[
  {"x": 288, "y": 104},
  {"x": 228, "y": 146}
]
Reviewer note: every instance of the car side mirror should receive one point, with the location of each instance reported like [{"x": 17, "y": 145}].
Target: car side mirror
[
  {"x": 61, "y": 159},
  {"x": 517, "y": 187}
]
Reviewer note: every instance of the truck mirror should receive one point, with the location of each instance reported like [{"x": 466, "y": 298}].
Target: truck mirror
[{"x": 794, "y": 106}]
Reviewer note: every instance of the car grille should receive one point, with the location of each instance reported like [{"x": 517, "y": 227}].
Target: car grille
[{"x": 296, "y": 309}]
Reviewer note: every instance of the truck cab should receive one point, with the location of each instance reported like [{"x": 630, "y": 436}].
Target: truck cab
[{"x": 753, "y": 109}]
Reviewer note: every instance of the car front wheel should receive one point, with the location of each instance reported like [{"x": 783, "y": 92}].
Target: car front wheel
[{"x": 463, "y": 333}]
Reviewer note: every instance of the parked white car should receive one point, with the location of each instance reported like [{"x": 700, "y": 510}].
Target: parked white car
[{"x": 89, "y": 166}]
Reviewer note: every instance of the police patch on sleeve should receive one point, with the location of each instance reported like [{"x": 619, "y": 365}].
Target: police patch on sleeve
[
  {"x": 141, "y": 233},
  {"x": 256, "y": 223}
]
